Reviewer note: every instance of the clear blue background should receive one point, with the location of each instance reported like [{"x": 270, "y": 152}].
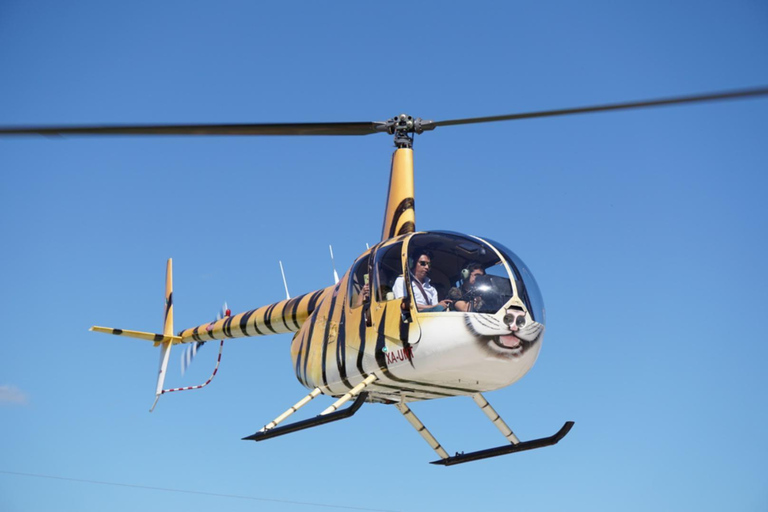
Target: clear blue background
[{"x": 646, "y": 231}]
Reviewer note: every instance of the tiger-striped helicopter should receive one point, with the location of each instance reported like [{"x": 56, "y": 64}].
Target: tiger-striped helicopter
[{"x": 420, "y": 315}]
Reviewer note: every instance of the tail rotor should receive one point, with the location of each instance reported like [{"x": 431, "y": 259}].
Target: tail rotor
[
  {"x": 167, "y": 339},
  {"x": 191, "y": 351}
]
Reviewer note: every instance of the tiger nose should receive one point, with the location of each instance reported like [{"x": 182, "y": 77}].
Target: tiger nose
[{"x": 514, "y": 320}]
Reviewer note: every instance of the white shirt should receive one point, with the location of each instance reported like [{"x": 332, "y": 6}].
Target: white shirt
[{"x": 429, "y": 300}]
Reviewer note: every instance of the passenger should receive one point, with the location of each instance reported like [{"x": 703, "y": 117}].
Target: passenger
[
  {"x": 424, "y": 293},
  {"x": 464, "y": 298},
  {"x": 360, "y": 294}
]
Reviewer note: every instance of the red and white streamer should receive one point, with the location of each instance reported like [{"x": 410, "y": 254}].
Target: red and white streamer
[{"x": 187, "y": 388}]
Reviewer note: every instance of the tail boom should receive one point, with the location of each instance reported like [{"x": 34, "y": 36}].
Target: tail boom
[{"x": 281, "y": 317}]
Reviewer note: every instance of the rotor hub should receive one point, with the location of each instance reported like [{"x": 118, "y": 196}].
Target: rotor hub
[{"x": 404, "y": 126}]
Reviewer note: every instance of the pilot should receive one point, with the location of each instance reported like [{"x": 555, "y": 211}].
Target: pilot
[
  {"x": 424, "y": 293},
  {"x": 463, "y": 300}
]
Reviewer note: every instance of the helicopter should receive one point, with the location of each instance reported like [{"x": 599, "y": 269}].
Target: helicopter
[{"x": 420, "y": 315}]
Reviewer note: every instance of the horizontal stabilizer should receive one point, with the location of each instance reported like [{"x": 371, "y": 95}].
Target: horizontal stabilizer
[{"x": 149, "y": 336}]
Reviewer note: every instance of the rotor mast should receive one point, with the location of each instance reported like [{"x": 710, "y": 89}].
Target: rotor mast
[{"x": 400, "y": 213}]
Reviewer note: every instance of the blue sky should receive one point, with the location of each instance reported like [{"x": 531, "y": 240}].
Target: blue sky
[{"x": 646, "y": 231}]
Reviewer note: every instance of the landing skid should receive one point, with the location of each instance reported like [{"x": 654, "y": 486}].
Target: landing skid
[
  {"x": 461, "y": 458},
  {"x": 332, "y": 413},
  {"x": 309, "y": 423}
]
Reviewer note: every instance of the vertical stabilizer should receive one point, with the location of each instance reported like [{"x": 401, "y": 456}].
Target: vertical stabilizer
[
  {"x": 168, "y": 313},
  {"x": 400, "y": 216},
  {"x": 165, "y": 351}
]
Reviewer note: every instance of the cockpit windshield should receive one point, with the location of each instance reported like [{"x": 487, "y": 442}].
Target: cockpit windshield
[
  {"x": 456, "y": 273},
  {"x": 525, "y": 283}
]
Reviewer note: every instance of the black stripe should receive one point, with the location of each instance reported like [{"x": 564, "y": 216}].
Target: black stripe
[
  {"x": 341, "y": 349},
  {"x": 313, "y": 301},
  {"x": 196, "y": 336},
  {"x": 298, "y": 355},
  {"x": 295, "y": 308},
  {"x": 117, "y": 331},
  {"x": 427, "y": 385},
  {"x": 312, "y": 320},
  {"x": 327, "y": 332},
  {"x": 283, "y": 318},
  {"x": 405, "y": 205},
  {"x": 228, "y": 326},
  {"x": 429, "y": 391},
  {"x": 404, "y": 337},
  {"x": 159, "y": 337},
  {"x": 412, "y": 390},
  {"x": 381, "y": 356},
  {"x": 408, "y": 227},
  {"x": 244, "y": 322},
  {"x": 268, "y": 318},
  {"x": 361, "y": 351},
  {"x": 287, "y": 313},
  {"x": 256, "y": 323},
  {"x": 168, "y": 304}
]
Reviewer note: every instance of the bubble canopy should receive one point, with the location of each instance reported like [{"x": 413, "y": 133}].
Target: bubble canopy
[
  {"x": 499, "y": 274},
  {"x": 529, "y": 288}
]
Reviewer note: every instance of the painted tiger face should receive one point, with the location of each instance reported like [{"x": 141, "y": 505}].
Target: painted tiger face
[{"x": 508, "y": 336}]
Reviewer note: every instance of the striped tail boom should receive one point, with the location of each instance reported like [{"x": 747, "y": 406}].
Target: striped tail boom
[{"x": 281, "y": 317}]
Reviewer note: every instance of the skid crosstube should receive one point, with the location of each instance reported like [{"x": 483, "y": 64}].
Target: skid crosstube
[
  {"x": 461, "y": 458},
  {"x": 311, "y": 422}
]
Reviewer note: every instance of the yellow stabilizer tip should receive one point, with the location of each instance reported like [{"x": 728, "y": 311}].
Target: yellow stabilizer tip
[{"x": 149, "y": 336}]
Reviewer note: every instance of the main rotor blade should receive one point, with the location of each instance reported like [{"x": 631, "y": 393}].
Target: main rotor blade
[
  {"x": 365, "y": 128},
  {"x": 726, "y": 95},
  {"x": 206, "y": 129}
]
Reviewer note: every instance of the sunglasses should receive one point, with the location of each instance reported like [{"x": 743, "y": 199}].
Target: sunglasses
[{"x": 425, "y": 263}]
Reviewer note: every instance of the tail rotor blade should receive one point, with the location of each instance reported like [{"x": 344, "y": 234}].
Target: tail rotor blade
[{"x": 189, "y": 354}]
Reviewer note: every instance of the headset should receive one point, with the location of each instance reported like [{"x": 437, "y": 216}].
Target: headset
[{"x": 468, "y": 268}]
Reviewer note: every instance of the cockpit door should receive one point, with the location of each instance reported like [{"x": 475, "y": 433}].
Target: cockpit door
[{"x": 392, "y": 315}]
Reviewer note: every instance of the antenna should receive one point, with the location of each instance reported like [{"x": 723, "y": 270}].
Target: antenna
[
  {"x": 333, "y": 264},
  {"x": 285, "y": 283}
]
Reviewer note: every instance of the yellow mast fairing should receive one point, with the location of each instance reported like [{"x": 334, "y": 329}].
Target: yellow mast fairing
[
  {"x": 281, "y": 317},
  {"x": 400, "y": 215}
]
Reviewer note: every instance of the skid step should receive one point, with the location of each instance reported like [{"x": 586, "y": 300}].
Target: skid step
[{"x": 461, "y": 458}]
